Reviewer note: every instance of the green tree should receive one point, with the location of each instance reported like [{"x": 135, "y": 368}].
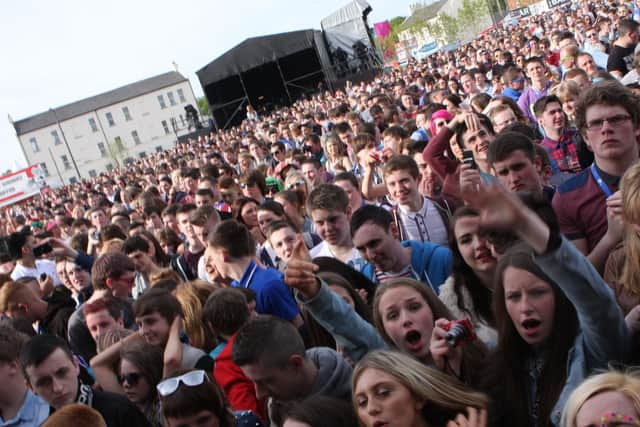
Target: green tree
[
  {"x": 388, "y": 43},
  {"x": 118, "y": 151},
  {"x": 203, "y": 106},
  {"x": 471, "y": 14}
]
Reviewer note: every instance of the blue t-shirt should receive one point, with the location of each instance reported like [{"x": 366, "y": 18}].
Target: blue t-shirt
[{"x": 272, "y": 295}]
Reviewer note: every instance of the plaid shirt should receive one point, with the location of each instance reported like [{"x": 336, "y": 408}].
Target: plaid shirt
[{"x": 562, "y": 153}]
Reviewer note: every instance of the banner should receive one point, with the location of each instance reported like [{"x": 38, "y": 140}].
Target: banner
[
  {"x": 554, "y": 3},
  {"x": 382, "y": 29},
  {"x": 20, "y": 185}
]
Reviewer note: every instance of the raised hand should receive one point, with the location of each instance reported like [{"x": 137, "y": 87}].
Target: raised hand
[
  {"x": 474, "y": 418},
  {"x": 447, "y": 359},
  {"x": 300, "y": 272}
]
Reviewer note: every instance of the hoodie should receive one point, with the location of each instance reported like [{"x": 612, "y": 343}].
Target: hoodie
[
  {"x": 60, "y": 306},
  {"x": 334, "y": 374}
]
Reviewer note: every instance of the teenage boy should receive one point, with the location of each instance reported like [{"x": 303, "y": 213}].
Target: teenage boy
[
  {"x": 329, "y": 208},
  {"x": 349, "y": 183},
  {"x": 49, "y": 314},
  {"x": 225, "y": 312},
  {"x": 559, "y": 141},
  {"x": 138, "y": 249},
  {"x": 102, "y": 315},
  {"x": 588, "y": 206},
  {"x": 375, "y": 234},
  {"x": 232, "y": 250},
  {"x": 19, "y": 407},
  {"x": 157, "y": 314},
  {"x": 193, "y": 248},
  {"x": 113, "y": 274},
  {"x": 417, "y": 217},
  {"x": 512, "y": 156},
  {"x": 21, "y": 246},
  {"x": 535, "y": 68},
  {"x": 473, "y": 132},
  {"x": 272, "y": 354},
  {"x": 204, "y": 220},
  {"x": 52, "y": 373}
]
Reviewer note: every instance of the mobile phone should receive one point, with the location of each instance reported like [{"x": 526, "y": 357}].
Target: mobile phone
[
  {"x": 467, "y": 158},
  {"x": 42, "y": 249}
]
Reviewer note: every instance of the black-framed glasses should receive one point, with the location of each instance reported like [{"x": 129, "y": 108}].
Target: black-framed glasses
[
  {"x": 132, "y": 379},
  {"x": 275, "y": 153},
  {"x": 618, "y": 119}
]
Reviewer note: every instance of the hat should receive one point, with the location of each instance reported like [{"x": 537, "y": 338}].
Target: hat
[
  {"x": 51, "y": 225},
  {"x": 357, "y": 279},
  {"x": 270, "y": 181}
]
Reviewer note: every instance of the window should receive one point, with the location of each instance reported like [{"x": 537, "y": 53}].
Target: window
[
  {"x": 56, "y": 138},
  {"x": 110, "y": 119},
  {"x": 34, "y": 145},
  {"x": 136, "y": 138},
  {"x": 182, "y": 120},
  {"x": 127, "y": 114},
  {"x": 45, "y": 169},
  {"x": 172, "y": 99},
  {"x": 128, "y": 160},
  {"x": 94, "y": 126},
  {"x": 109, "y": 167},
  {"x": 118, "y": 142},
  {"x": 181, "y": 95},
  {"x": 142, "y": 154},
  {"x": 92, "y": 173},
  {"x": 159, "y": 149},
  {"x": 102, "y": 149},
  {"x": 73, "y": 180},
  {"x": 165, "y": 126},
  {"x": 65, "y": 162},
  {"x": 161, "y": 102}
]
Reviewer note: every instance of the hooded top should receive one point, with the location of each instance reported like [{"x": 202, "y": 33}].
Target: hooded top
[
  {"x": 60, "y": 306},
  {"x": 334, "y": 374}
]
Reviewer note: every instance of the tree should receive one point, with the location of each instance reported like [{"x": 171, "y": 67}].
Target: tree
[
  {"x": 388, "y": 43},
  {"x": 470, "y": 15},
  {"x": 203, "y": 106},
  {"x": 118, "y": 151}
]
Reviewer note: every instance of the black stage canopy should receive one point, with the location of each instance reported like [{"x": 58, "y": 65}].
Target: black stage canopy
[{"x": 266, "y": 72}]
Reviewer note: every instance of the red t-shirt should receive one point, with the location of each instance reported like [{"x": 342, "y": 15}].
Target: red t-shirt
[{"x": 580, "y": 205}]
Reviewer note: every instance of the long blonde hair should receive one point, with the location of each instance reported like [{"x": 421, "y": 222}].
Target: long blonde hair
[
  {"x": 627, "y": 383},
  {"x": 192, "y": 297},
  {"x": 444, "y": 395},
  {"x": 630, "y": 187}
]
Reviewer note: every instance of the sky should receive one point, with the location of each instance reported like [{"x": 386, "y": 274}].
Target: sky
[{"x": 57, "y": 52}]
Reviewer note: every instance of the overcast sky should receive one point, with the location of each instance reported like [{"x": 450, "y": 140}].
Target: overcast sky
[{"x": 56, "y": 52}]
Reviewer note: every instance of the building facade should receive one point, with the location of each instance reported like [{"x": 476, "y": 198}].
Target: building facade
[{"x": 94, "y": 135}]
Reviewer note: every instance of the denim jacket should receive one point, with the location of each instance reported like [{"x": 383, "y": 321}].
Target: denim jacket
[
  {"x": 352, "y": 333},
  {"x": 603, "y": 334}
]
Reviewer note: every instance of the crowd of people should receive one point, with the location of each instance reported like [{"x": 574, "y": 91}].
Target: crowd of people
[{"x": 455, "y": 243}]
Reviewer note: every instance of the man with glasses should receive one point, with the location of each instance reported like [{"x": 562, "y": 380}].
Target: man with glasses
[
  {"x": 112, "y": 275},
  {"x": 277, "y": 152},
  {"x": 52, "y": 373},
  {"x": 588, "y": 206}
]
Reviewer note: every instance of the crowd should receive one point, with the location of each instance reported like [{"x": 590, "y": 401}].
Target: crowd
[{"x": 455, "y": 243}]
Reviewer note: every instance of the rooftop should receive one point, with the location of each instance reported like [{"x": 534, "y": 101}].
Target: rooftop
[{"x": 96, "y": 102}]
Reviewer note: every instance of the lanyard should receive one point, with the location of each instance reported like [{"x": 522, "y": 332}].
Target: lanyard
[
  {"x": 600, "y": 181},
  {"x": 253, "y": 270}
]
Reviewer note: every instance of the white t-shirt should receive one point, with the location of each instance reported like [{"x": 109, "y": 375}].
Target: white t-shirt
[
  {"x": 355, "y": 260},
  {"x": 42, "y": 266}
]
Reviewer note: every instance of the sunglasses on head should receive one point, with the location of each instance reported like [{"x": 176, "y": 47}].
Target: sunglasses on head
[
  {"x": 190, "y": 379},
  {"x": 131, "y": 379},
  {"x": 296, "y": 184}
]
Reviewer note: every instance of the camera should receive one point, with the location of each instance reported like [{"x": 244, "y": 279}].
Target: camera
[
  {"x": 377, "y": 155},
  {"x": 307, "y": 149},
  {"x": 96, "y": 235},
  {"x": 467, "y": 158},
  {"x": 459, "y": 332}
]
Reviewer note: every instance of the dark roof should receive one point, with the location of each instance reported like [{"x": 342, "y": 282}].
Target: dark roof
[
  {"x": 424, "y": 13},
  {"x": 87, "y": 105},
  {"x": 254, "y": 52}
]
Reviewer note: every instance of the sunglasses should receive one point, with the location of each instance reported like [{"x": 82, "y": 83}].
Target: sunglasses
[
  {"x": 190, "y": 379},
  {"x": 518, "y": 80},
  {"x": 298, "y": 183},
  {"x": 132, "y": 379}
]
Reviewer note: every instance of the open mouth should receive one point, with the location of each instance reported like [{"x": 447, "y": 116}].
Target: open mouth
[
  {"x": 413, "y": 337},
  {"x": 380, "y": 424},
  {"x": 531, "y": 324}
]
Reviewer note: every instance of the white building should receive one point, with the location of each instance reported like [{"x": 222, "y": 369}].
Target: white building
[{"x": 96, "y": 134}]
